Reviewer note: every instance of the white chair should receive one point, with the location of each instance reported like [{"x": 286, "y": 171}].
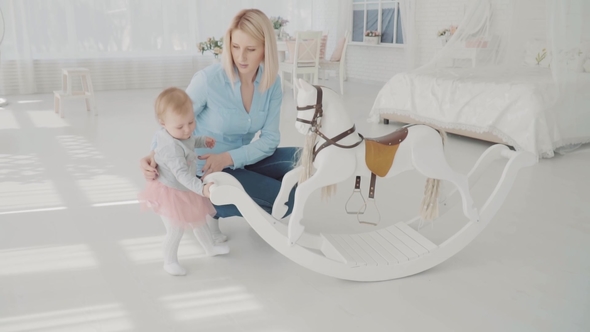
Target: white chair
[
  {"x": 67, "y": 92},
  {"x": 304, "y": 58},
  {"x": 337, "y": 62}
]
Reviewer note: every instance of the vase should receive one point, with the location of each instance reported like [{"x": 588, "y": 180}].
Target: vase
[
  {"x": 277, "y": 33},
  {"x": 372, "y": 40}
]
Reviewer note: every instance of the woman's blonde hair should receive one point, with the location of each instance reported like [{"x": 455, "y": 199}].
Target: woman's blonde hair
[
  {"x": 256, "y": 24},
  {"x": 172, "y": 100}
]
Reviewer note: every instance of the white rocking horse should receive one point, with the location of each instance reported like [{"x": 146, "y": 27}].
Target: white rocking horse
[
  {"x": 387, "y": 253},
  {"x": 336, "y": 152}
]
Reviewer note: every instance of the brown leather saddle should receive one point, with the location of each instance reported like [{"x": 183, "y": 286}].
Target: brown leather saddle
[
  {"x": 379, "y": 156},
  {"x": 380, "y": 153}
]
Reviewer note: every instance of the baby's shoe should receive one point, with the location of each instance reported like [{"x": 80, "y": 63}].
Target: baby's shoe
[{"x": 216, "y": 234}]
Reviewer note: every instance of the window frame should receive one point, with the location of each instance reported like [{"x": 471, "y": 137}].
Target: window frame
[{"x": 379, "y": 20}]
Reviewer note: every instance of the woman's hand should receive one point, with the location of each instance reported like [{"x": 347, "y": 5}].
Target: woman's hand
[
  {"x": 215, "y": 162},
  {"x": 148, "y": 167}
]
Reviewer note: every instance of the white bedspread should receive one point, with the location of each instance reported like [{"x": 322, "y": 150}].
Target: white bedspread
[{"x": 512, "y": 104}]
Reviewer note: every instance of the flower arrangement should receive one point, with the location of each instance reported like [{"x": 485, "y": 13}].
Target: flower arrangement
[
  {"x": 212, "y": 45},
  {"x": 370, "y": 33},
  {"x": 442, "y": 32},
  {"x": 447, "y": 32},
  {"x": 541, "y": 56},
  {"x": 278, "y": 22}
]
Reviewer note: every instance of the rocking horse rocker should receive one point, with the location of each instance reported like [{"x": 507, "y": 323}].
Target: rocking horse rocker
[{"x": 333, "y": 152}]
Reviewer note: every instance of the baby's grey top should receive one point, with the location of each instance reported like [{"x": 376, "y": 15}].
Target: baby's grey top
[{"x": 177, "y": 161}]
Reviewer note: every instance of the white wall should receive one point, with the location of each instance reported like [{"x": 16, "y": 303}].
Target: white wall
[{"x": 374, "y": 63}]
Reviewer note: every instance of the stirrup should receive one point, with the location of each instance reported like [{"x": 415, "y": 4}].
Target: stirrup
[
  {"x": 357, "y": 190},
  {"x": 370, "y": 202},
  {"x": 371, "y": 199}
]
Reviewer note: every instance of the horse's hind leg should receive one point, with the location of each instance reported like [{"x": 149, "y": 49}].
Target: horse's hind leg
[{"x": 429, "y": 159}]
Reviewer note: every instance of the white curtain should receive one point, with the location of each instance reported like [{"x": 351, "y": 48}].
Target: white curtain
[
  {"x": 125, "y": 43},
  {"x": 569, "y": 39},
  {"x": 48, "y": 29},
  {"x": 408, "y": 17},
  {"x": 344, "y": 18}
]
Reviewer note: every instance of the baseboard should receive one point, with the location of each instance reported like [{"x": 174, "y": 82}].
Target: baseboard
[{"x": 365, "y": 81}]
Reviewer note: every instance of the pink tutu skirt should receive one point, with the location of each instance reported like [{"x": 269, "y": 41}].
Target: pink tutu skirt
[{"x": 181, "y": 208}]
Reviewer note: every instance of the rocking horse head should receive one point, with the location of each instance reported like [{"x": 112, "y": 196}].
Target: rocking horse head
[
  {"x": 322, "y": 118},
  {"x": 312, "y": 104},
  {"x": 309, "y": 107}
]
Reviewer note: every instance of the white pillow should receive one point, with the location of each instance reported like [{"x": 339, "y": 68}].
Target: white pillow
[{"x": 536, "y": 53}]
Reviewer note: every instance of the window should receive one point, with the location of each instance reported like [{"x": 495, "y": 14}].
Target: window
[{"x": 377, "y": 15}]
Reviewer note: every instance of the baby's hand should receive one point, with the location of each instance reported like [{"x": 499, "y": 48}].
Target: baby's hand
[
  {"x": 206, "y": 192},
  {"x": 210, "y": 142}
]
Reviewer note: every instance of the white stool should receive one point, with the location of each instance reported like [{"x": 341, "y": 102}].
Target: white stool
[{"x": 66, "y": 92}]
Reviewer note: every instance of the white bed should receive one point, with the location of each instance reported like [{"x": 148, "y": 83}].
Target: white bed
[{"x": 509, "y": 105}]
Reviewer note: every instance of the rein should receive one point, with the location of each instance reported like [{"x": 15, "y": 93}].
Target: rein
[{"x": 316, "y": 125}]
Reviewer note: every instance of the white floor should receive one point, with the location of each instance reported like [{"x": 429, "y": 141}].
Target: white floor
[{"x": 72, "y": 259}]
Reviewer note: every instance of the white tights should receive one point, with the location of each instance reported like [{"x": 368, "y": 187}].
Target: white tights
[{"x": 172, "y": 241}]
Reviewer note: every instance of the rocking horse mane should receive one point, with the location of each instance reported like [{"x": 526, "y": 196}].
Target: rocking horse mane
[{"x": 306, "y": 159}]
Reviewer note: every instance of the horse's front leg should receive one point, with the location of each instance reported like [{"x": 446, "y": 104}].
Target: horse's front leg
[
  {"x": 279, "y": 208},
  {"x": 327, "y": 174},
  {"x": 301, "y": 195}
]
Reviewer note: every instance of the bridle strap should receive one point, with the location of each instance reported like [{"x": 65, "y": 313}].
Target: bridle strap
[
  {"x": 315, "y": 126},
  {"x": 319, "y": 111},
  {"x": 335, "y": 139},
  {"x": 318, "y": 100}
]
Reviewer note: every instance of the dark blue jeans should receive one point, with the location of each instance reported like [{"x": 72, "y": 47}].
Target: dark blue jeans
[{"x": 262, "y": 181}]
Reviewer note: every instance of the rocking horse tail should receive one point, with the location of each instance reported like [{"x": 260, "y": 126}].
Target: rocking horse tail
[
  {"x": 429, "y": 208},
  {"x": 328, "y": 191},
  {"x": 443, "y": 136},
  {"x": 306, "y": 161},
  {"x": 306, "y": 157}
]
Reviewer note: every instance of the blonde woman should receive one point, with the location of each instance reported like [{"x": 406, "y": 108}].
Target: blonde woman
[{"x": 232, "y": 102}]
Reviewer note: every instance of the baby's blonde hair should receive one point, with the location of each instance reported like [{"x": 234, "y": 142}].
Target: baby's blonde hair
[
  {"x": 255, "y": 23},
  {"x": 172, "y": 100}
]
